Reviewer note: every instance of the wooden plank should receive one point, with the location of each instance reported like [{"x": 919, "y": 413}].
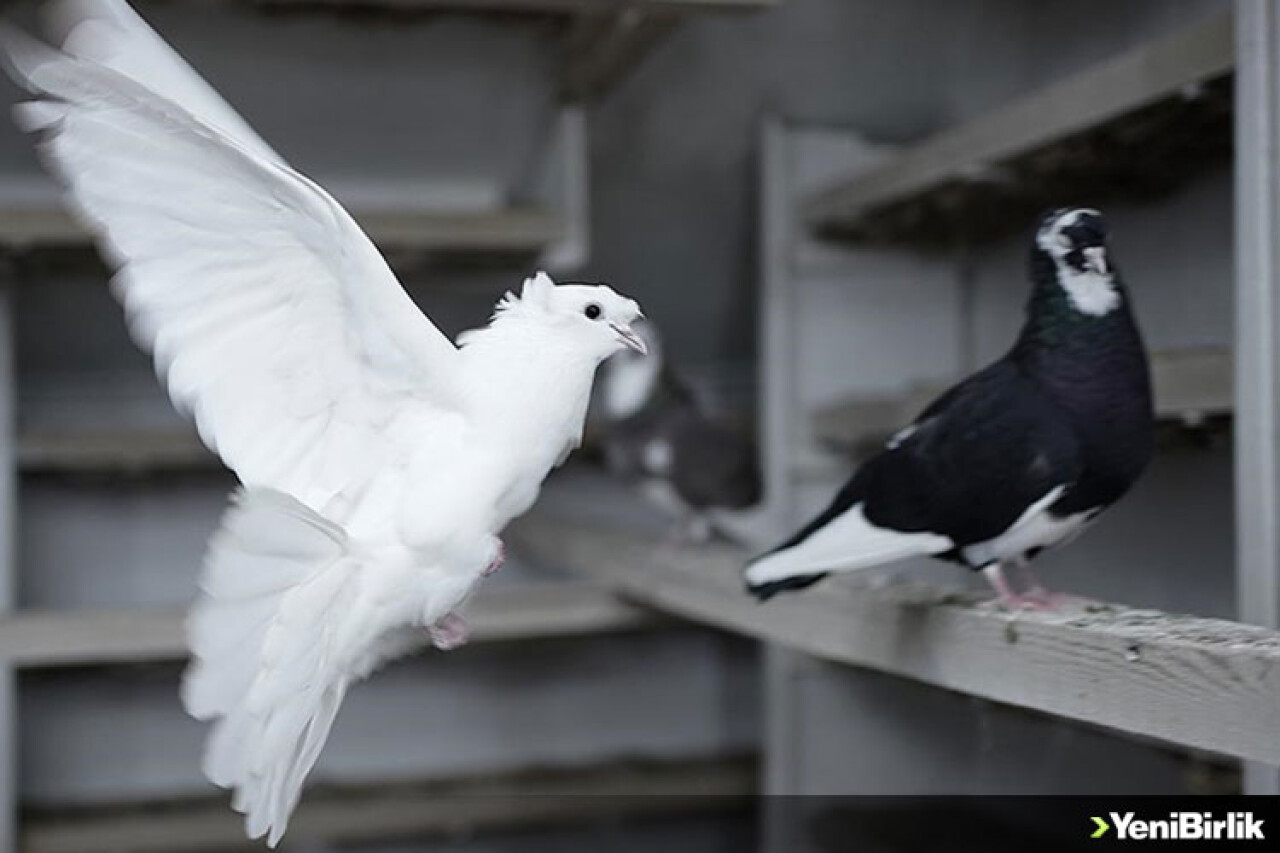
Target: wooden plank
[
  {"x": 1203, "y": 683},
  {"x": 36, "y": 224},
  {"x": 1257, "y": 287},
  {"x": 1191, "y": 385},
  {"x": 88, "y": 638},
  {"x": 444, "y": 808},
  {"x": 1162, "y": 68}
]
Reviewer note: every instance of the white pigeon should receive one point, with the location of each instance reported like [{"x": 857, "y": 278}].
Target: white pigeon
[{"x": 379, "y": 462}]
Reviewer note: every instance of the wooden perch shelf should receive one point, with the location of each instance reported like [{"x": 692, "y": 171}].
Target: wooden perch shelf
[
  {"x": 44, "y": 224},
  {"x": 88, "y": 638},
  {"x": 1131, "y": 128},
  {"x": 445, "y": 808},
  {"x": 126, "y": 453},
  {"x": 1204, "y": 683},
  {"x": 605, "y": 38},
  {"x": 1191, "y": 385}
]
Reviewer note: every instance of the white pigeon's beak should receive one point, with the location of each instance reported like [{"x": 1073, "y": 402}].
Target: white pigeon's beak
[
  {"x": 1095, "y": 260},
  {"x": 630, "y": 338}
]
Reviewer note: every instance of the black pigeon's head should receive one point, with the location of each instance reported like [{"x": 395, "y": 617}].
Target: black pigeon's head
[{"x": 1074, "y": 242}]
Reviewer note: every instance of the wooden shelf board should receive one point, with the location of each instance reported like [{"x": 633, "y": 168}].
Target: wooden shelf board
[
  {"x": 140, "y": 452},
  {"x": 96, "y": 638},
  {"x": 1133, "y": 127},
  {"x": 44, "y": 224},
  {"x": 1191, "y": 385},
  {"x": 513, "y": 802},
  {"x": 1203, "y": 683}
]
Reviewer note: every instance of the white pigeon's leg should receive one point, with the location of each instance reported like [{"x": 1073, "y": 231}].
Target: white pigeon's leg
[
  {"x": 449, "y": 632},
  {"x": 496, "y": 563}
]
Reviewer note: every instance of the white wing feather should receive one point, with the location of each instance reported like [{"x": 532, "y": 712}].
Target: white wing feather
[
  {"x": 111, "y": 34},
  {"x": 272, "y": 316}
]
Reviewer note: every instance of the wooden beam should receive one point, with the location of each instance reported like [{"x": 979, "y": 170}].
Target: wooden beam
[
  {"x": 450, "y": 809},
  {"x": 94, "y": 638},
  {"x": 1203, "y": 683},
  {"x": 1160, "y": 69},
  {"x": 604, "y": 46}
]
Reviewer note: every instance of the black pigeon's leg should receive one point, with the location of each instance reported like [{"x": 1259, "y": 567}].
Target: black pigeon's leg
[
  {"x": 697, "y": 529},
  {"x": 1006, "y": 596},
  {"x": 1037, "y": 591},
  {"x": 450, "y": 632}
]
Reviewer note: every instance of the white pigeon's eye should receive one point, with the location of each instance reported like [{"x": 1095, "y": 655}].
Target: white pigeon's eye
[{"x": 593, "y": 311}]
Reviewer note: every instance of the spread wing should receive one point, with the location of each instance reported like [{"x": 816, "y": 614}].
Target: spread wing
[{"x": 271, "y": 315}]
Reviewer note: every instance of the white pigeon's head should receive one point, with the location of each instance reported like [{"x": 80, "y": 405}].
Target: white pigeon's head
[{"x": 592, "y": 315}]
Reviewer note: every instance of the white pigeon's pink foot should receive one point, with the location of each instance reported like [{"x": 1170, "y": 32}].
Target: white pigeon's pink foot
[
  {"x": 450, "y": 632},
  {"x": 497, "y": 561}
]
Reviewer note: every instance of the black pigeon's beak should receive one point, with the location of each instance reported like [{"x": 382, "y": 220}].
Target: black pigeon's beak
[
  {"x": 630, "y": 338},
  {"x": 1095, "y": 260}
]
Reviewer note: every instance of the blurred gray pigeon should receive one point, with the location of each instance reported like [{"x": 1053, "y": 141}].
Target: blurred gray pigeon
[{"x": 659, "y": 437}]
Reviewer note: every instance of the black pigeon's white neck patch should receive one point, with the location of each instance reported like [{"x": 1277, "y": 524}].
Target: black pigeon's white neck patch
[{"x": 1092, "y": 290}]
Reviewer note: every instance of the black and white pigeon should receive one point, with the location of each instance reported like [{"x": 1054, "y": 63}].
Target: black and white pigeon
[
  {"x": 658, "y": 436},
  {"x": 1019, "y": 457}
]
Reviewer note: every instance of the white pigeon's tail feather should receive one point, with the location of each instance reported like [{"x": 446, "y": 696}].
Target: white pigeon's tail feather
[
  {"x": 846, "y": 543},
  {"x": 279, "y": 583}
]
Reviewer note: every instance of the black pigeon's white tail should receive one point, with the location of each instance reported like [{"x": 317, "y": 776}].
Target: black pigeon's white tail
[
  {"x": 277, "y": 591},
  {"x": 842, "y": 542}
]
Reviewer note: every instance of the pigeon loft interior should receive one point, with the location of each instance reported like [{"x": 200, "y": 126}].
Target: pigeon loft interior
[{"x": 825, "y": 209}]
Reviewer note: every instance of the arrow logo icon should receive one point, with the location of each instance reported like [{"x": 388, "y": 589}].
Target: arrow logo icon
[{"x": 1103, "y": 826}]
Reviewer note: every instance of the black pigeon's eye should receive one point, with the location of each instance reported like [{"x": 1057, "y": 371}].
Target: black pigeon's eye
[{"x": 593, "y": 311}]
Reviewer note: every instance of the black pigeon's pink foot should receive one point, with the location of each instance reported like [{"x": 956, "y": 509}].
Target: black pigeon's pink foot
[
  {"x": 497, "y": 561},
  {"x": 1047, "y": 600},
  {"x": 1036, "y": 598},
  {"x": 450, "y": 632}
]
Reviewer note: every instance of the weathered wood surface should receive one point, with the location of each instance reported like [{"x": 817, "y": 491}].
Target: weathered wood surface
[
  {"x": 445, "y": 808},
  {"x": 526, "y": 612},
  {"x": 1204, "y": 683}
]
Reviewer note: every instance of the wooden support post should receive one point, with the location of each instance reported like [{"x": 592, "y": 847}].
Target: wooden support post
[
  {"x": 1257, "y": 377},
  {"x": 604, "y": 45},
  {"x": 8, "y": 556}
]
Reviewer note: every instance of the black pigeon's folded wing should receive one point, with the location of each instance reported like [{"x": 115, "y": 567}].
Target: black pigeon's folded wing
[{"x": 970, "y": 468}]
